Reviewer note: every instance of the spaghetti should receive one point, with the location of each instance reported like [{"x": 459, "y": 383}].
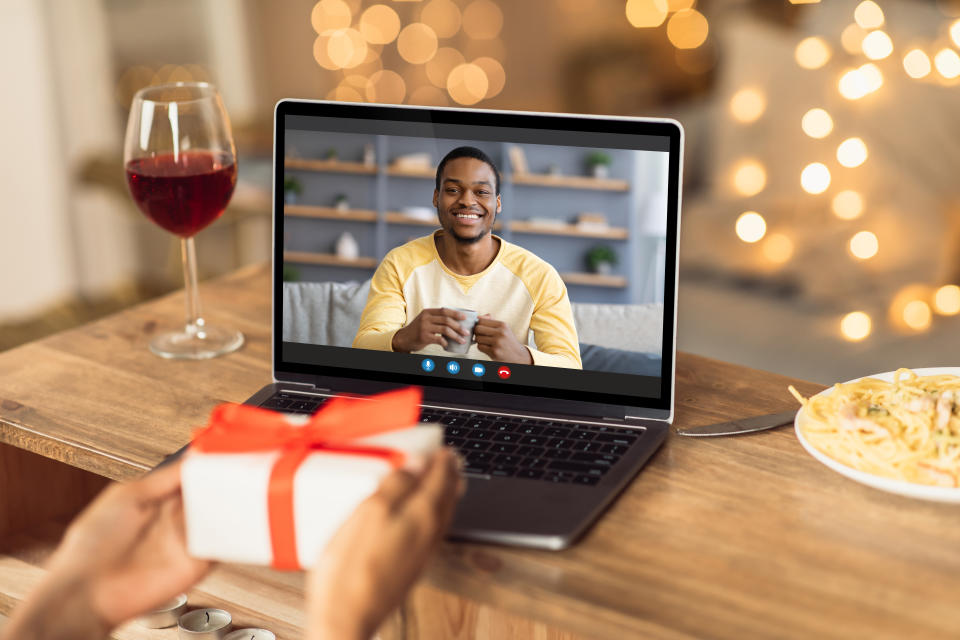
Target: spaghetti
[{"x": 908, "y": 429}]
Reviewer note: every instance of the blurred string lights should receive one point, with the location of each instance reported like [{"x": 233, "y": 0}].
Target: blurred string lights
[
  {"x": 451, "y": 51},
  {"x": 913, "y": 307}
]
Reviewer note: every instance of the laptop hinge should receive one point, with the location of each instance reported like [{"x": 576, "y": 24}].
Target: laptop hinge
[{"x": 306, "y": 386}]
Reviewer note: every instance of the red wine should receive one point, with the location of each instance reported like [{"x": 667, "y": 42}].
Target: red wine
[{"x": 183, "y": 194}]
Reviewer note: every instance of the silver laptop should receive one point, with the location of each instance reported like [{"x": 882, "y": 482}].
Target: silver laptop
[{"x": 520, "y": 267}]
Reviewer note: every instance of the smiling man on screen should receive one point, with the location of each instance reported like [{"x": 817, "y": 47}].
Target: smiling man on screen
[{"x": 418, "y": 286}]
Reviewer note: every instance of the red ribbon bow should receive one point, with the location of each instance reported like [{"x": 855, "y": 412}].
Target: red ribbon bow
[{"x": 237, "y": 428}]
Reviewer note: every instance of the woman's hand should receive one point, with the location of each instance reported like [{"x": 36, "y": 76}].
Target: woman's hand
[{"x": 370, "y": 564}]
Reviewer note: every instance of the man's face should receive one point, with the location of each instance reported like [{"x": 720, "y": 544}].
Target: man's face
[{"x": 467, "y": 203}]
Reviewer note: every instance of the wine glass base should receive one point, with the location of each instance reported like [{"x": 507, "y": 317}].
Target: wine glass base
[{"x": 208, "y": 342}]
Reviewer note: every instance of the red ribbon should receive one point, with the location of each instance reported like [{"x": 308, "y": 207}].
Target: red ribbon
[{"x": 237, "y": 428}]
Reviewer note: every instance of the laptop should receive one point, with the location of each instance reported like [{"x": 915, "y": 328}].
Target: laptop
[{"x": 528, "y": 285}]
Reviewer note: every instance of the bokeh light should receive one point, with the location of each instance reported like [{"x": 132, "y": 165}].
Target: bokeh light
[
  {"x": 646, "y": 13},
  {"x": 872, "y": 75},
  {"x": 847, "y": 205},
  {"x": 778, "y": 248},
  {"x": 344, "y": 93},
  {"x": 751, "y": 226},
  {"x": 441, "y": 64},
  {"x": 494, "y": 48},
  {"x": 853, "y": 85},
  {"x": 680, "y": 5},
  {"x": 864, "y": 245},
  {"x": 467, "y": 84},
  {"x": 917, "y": 315},
  {"x": 386, "y": 87},
  {"x": 812, "y": 53},
  {"x": 417, "y": 43},
  {"x": 379, "y": 24},
  {"x": 947, "y": 63},
  {"x": 852, "y": 152},
  {"x": 868, "y": 15},
  {"x": 496, "y": 76},
  {"x": 815, "y": 178},
  {"x": 482, "y": 20},
  {"x": 817, "y": 123},
  {"x": 346, "y": 48},
  {"x": 687, "y": 29},
  {"x": 443, "y": 16},
  {"x": 852, "y": 38},
  {"x": 877, "y": 45},
  {"x": 855, "y": 326},
  {"x": 329, "y": 15},
  {"x": 321, "y": 54},
  {"x": 917, "y": 64},
  {"x": 747, "y": 105},
  {"x": 749, "y": 177},
  {"x": 955, "y": 32},
  {"x": 946, "y": 300}
]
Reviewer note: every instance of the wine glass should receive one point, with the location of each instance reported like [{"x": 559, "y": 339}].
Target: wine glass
[{"x": 181, "y": 169}]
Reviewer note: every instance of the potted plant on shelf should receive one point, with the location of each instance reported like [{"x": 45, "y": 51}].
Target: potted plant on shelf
[
  {"x": 599, "y": 163},
  {"x": 331, "y": 154},
  {"x": 341, "y": 202},
  {"x": 292, "y": 189},
  {"x": 601, "y": 259}
]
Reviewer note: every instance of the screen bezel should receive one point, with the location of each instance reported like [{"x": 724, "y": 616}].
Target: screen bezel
[{"x": 532, "y": 396}]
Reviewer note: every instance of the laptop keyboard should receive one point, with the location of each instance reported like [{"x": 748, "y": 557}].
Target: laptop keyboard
[{"x": 511, "y": 447}]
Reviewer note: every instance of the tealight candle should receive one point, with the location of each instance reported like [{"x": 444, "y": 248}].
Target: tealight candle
[
  {"x": 251, "y": 634},
  {"x": 204, "y": 624},
  {"x": 166, "y": 615}
]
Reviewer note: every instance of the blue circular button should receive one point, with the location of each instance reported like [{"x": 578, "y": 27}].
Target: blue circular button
[
  {"x": 453, "y": 367},
  {"x": 478, "y": 369},
  {"x": 427, "y": 365}
]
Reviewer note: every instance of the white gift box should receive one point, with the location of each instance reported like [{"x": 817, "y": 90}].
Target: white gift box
[{"x": 225, "y": 495}]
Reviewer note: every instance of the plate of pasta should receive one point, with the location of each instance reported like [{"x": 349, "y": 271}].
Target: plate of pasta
[{"x": 897, "y": 431}]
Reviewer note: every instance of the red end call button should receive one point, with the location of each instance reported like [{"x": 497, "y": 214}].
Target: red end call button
[{"x": 503, "y": 372}]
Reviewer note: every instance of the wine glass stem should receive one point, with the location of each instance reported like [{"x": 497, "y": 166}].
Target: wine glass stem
[{"x": 189, "y": 256}]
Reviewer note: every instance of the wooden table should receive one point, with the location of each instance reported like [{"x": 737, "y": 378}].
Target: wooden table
[{"x": 744, "y": 537}]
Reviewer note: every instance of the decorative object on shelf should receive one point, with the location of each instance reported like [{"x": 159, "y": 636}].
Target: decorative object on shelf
[
  {"x": 369, "y": 155},
  {"x": 290, "y": 273},
  {"x": 598, "y": 163},
  {"x": 292, "y": 189},
  {"x": 518, "y": 159},
  {"x": 420, "y": 213},
  {"x": 601, "y": 259},
  {"x": 347, "y": 247},
  {"x": 587, "y": 221},
  {"x": 554, "y": 171},
  {"x": 331, "y": 154},
  {"x": 341, "y": 202},
  {"x": 413, "y": 162},
  {"x": 551, "y": 223}
]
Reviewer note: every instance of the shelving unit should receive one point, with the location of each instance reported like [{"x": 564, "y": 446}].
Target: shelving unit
[
  {"x": 570, "y": 182},
  {"x": 612, "y": 233},
  {"x": 379, "y": 193},
  {"x": 329, "y": 213},
  {"x": 329, "y": 259},
  {"x": 595, "y": 280},
  {"x": 331, "y": 166}
]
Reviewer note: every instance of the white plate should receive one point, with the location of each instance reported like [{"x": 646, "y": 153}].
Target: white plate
[{"x": 901, "y": 487}]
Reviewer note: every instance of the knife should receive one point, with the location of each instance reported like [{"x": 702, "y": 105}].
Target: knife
[{"x": 743, "y": 425}]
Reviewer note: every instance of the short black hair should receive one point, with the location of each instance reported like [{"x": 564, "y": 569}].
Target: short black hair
[{"x": 469, "y": 152}]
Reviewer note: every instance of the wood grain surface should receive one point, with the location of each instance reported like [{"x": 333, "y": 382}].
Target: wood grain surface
[{"x": 737, "y": 537}]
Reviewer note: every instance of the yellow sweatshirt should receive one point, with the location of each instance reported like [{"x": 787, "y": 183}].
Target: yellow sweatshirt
[{"x": 517, "y": 288}]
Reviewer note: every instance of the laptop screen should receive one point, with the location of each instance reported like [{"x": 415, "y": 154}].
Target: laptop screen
[{"x": 496, "y": 251}]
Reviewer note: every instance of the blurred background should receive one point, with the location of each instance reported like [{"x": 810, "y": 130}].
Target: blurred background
[{"x": 820, "y": 235}]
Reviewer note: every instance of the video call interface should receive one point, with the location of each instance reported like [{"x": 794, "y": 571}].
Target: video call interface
[{"x": 493, "y": 259}]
